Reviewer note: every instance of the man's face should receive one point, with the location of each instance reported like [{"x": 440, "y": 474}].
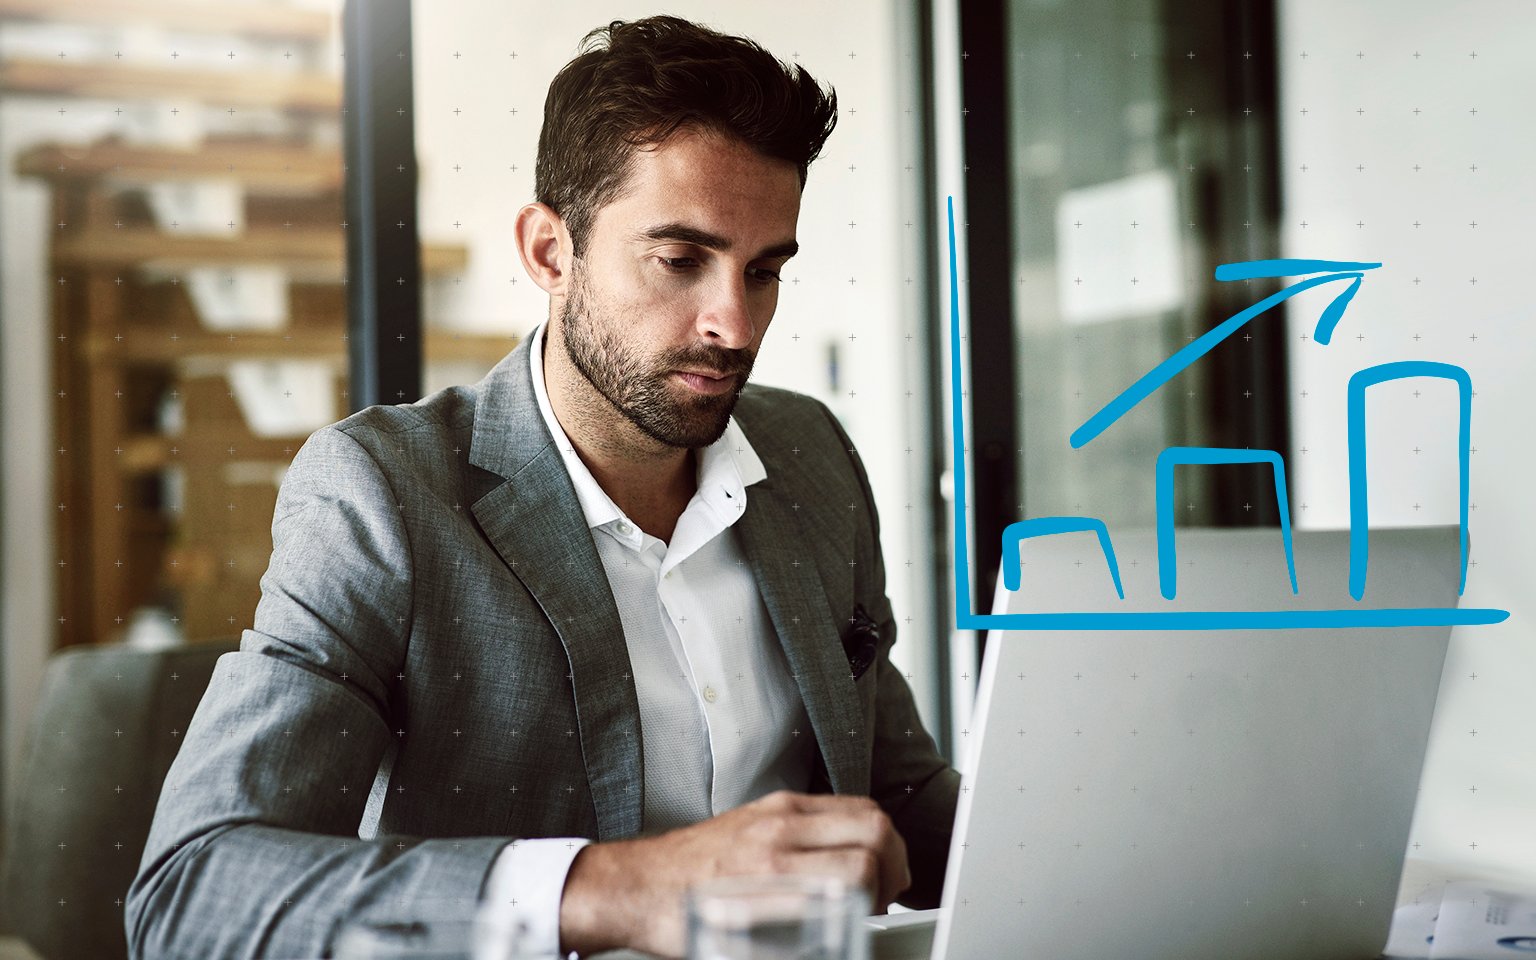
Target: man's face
[{"x": 668, "y": 307}]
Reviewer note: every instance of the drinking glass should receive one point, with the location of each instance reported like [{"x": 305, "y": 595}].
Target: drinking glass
[
  {"x": 796, "y": 917},
  {"x": 436, "y": 940}
]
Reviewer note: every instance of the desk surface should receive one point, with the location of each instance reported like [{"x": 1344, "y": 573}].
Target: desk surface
[{"x": 914, "y": 943}]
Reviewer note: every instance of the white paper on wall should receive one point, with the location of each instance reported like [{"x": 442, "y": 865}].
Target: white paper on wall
[{"x": 1109, "y": 269}]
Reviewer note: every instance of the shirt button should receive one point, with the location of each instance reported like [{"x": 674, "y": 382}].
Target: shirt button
[
  {"x": 710, "y": 695},
  {"x": 625, "y": 528}
]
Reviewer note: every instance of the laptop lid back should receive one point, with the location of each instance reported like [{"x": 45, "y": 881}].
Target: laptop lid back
[{"x": 1197, "y": 794}]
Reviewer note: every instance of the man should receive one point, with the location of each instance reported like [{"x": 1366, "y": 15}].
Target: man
[{"x": 609, "y": 593}]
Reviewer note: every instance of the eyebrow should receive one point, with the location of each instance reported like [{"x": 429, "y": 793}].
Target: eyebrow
[{"x": 683, "y": 233}]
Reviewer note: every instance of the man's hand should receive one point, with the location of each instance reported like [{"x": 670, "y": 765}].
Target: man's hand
[{"x": 629, "y": 893}]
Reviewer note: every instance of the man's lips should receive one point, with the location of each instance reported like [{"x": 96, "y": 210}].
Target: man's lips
[{"x": 706, "y": 382}]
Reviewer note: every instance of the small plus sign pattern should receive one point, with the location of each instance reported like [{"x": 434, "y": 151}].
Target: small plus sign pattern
[{"x": 1402, "y": 142}]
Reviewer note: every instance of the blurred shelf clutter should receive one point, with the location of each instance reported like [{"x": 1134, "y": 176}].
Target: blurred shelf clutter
[{"x": 198, "y": 313}]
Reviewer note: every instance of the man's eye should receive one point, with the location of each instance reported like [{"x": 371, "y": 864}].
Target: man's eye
[{"x": 762, "y": 276}]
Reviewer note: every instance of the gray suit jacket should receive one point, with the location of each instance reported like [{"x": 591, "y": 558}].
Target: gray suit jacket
[{"x": 437, "y": 667}]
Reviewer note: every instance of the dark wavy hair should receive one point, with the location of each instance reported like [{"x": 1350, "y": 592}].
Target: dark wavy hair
[{"x": 636, "y": 83}]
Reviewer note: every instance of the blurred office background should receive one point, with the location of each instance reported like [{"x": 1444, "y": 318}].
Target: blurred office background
[{"x": 175, "y": 266}]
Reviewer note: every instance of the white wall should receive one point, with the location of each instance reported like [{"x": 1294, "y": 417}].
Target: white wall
[
  {"x": 1483, "y": 732},
  {"x": 495, "y": 149},
  {"x": 26, "y": 547},
  {"x": 27, "y": 624}
]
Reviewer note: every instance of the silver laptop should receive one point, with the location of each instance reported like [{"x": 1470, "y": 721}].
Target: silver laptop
[{"x": 1194, "y": 795}]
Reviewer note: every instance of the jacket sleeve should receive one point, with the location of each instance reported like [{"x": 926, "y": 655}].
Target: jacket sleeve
[
  {"x": 254, "y": 849},
  {"x": 909, "y": 778}
]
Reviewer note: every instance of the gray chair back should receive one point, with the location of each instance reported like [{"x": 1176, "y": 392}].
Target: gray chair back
[{"x": 108, "y": 723}]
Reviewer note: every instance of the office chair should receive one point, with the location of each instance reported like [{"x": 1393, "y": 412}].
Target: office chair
[{"x": 107, "y": 726}]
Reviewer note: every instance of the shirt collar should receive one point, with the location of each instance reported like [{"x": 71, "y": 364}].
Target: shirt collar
[{"x": 726, "y": 467}]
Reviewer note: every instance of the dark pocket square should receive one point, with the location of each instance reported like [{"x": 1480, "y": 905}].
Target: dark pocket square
[{"x": 861, "y": 641}]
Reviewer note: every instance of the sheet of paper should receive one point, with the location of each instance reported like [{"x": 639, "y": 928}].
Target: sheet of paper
[
  {"x": 1413, "y": 924},
  {"x": 1480, "y": 923}
]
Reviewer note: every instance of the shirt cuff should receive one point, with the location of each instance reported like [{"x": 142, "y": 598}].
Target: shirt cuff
[{"x": 522, "y": 894}]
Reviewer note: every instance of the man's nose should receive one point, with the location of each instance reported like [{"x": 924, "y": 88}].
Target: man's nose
[{"x": 726, "y": 320}]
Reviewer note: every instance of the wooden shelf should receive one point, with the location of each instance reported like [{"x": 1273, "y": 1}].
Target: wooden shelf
[
  {"x": 271, "y": 21},
  {"x": 142, "y": 454},
  {"x": 445, "y": 347},
  {"x": 165, "y": 347},
  {"x": 145, "y": 453},
  {"x": 122, "y": 338},
  {"x": 259, "y": 165},
  {"x": 313, "y": 92},
  {"x": 310, "y": 253}
]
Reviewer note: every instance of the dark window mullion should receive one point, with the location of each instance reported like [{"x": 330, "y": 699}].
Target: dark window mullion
[
  {"x": 992, "y": 428},
  {"x": 384, "y": 347}
]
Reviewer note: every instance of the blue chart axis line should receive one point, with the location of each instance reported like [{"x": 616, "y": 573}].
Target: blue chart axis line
[
  {"x": 1236, "y": 619},
  {"x": 966, "y": 619}
]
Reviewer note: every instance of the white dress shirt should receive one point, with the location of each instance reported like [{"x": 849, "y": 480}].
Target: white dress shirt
[{"x": 721, "y": 718}]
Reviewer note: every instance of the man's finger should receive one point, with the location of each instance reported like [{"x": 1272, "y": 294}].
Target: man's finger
[
  {"x": 825, "y": 802},
  {"x": 855, "y": 866},
  {"x": 862, "y": 827}
]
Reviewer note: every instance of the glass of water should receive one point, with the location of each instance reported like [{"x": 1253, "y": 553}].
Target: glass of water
[
  {"x": 435, "y": 940},
  {"x": 372, "y": 940},
  {"x": 796, "y": 917}
]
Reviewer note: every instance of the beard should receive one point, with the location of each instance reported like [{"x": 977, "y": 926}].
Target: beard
[{"x": 641, "y": 387}]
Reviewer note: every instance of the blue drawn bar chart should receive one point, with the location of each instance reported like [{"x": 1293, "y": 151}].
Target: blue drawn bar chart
[{"x": 1316, "y": 273}]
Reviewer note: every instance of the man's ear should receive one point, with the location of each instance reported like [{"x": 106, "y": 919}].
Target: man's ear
[{"x": 544, "y": 245}]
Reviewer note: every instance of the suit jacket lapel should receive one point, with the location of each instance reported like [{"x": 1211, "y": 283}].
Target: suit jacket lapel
[
  {"x": 775, "y": 542},
  {"x": 536, "y": 524}
]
